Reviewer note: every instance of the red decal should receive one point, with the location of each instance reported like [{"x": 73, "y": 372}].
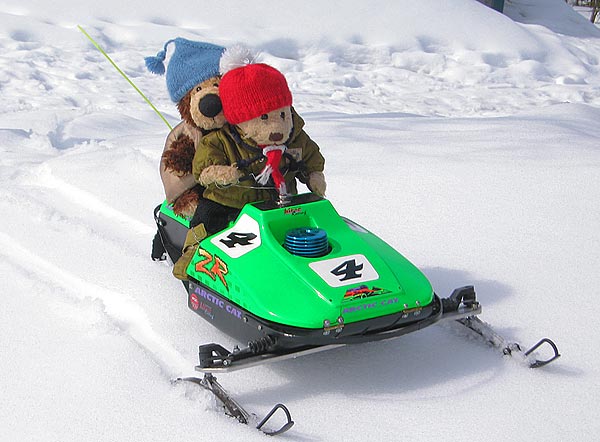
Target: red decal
[
  {"x": 194, "y": 301},
  {"x": 201, "y": 265},
  {"x": 217, "y": 270}
]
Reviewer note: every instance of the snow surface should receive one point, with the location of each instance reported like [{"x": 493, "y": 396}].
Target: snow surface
[{"x": 465, "y": 138}]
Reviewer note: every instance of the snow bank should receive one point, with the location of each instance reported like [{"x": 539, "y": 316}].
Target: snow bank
[{"x": 428, "y": 57}]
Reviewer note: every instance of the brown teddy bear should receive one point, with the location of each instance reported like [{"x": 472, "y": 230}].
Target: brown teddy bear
[
  {"x": 264, "y": 139},
  {"x": 201, "y": 112},
  {"x": 193, "y": 82}
]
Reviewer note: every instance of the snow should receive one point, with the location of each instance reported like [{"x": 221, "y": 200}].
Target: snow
[{"x": 465, "y": 138}]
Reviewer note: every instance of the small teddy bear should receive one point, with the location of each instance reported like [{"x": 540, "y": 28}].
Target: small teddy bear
[
  {"x": 193, "y": 82},
  {"x": 264, "y": 136},
  {"x": 263, "y": 139}
]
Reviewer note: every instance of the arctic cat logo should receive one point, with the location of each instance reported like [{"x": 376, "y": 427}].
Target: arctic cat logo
[
  {"x": 363, "y": 292},
  {"x": 212, "y": 300},
  {"x": 194, "y": 302},
  {"x": 371, "y": 305},
  {"x": 198, "y": 305}
]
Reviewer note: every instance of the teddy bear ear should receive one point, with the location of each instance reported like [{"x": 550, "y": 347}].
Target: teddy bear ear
[{"x": 235, "y": 57}]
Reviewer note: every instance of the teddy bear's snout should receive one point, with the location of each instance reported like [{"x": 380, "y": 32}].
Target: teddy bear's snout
[
  {"x": 276, "y": 136},
  {"x": 210, "y": 105}
]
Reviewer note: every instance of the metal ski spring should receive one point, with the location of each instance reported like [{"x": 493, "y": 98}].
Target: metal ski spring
[{"x": 262, "y": 344}]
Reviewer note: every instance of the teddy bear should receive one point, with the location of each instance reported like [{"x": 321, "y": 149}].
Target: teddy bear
[
  {"x": 193, "y": 83},
  {"x": 263, "y": 138}
]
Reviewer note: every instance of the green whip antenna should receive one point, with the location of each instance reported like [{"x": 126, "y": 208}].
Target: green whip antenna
[{"x": 124, "y": 76}]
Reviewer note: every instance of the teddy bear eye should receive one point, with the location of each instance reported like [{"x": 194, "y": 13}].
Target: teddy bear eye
[
  {"x": 198, "y": 88},
  {"x": 264, "y": 117},
  {"x": 282, "y": 115},
  {"x": 216, "y": 84}
]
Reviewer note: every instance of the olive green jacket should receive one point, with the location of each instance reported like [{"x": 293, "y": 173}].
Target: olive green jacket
[{"x": 225, "y": 147}]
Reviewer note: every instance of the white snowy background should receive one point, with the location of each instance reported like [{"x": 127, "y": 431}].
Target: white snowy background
[{"x": 467, "y": 139}]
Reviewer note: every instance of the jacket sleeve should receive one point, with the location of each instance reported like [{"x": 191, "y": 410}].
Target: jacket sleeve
[
  {"x": 311, "y": 156},
  {"x": 211, "y": 152}
]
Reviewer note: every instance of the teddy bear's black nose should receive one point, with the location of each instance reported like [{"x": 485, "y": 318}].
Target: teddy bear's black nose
[{"x": 210, "y": 105}]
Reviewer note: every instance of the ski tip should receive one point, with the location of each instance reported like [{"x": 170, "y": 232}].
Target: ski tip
[
  {"x": 285, "y": 427},
  {"x": 537, "y": 363}
]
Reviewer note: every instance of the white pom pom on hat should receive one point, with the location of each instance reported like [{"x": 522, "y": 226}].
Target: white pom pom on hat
[{"x": 237, "y": 56}]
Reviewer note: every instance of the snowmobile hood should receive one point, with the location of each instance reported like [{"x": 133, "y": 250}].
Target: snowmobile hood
[{"x": 357, "y": 277}]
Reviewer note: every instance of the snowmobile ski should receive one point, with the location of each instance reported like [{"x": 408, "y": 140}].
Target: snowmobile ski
[
  {"x": 508, "y": 348},
  {"x": 467, "y": 295},
  {"x": 234, "y": 409}
]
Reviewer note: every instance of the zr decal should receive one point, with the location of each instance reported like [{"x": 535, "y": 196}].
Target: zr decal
[{"x": 213, "y": 266}]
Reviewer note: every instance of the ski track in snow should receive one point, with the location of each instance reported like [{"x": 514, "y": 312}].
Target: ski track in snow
[
  {"x": 127, "y": 315},
  {"x": 31, "y": 197},
  {"x": 122, "y": 310},
  {"x": 90, "y": 202}
]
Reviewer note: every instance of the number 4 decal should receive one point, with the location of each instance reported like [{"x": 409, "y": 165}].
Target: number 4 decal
[
  {"x": 347, "y": 270},
  {"x": 236, "y": 238},
  {"x": 240, "y": 239}
]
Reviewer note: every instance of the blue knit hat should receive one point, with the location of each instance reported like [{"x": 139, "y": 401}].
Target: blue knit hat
[{"x": 192, "y": 62}]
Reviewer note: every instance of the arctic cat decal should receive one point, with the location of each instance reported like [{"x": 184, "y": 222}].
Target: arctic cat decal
[
  {"x": 206, "y": 301},
  {"x": 241, "y": 238},
  {"x": 194, "y": 302},
  {"x": 370, "y": 305},
  {"x": 363, "y": 292},
  {"x": 213, "y": 266}
]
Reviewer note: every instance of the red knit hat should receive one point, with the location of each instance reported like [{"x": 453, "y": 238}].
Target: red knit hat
[{"x": 249, "y": 91}]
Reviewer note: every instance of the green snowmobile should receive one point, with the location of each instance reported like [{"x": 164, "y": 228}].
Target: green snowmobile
[{"x": 294, "y": 277}]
